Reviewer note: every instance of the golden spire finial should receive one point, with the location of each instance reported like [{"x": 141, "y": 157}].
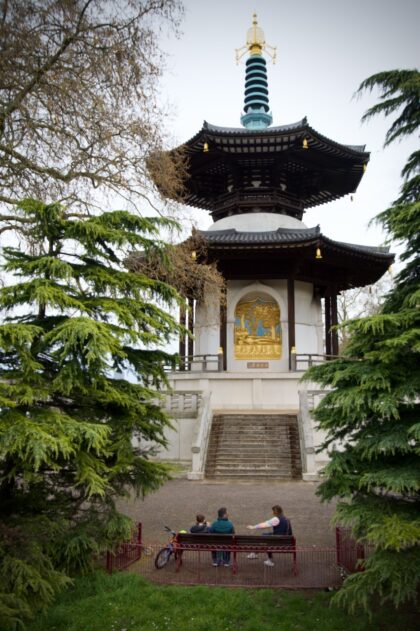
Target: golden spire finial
[
  {"x": 255, "y": 37},
  {"x": 255, "y": 42}
]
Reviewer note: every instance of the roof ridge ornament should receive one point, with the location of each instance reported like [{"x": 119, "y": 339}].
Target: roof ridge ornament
[
  {"x": 255, "y": 43},
  {"x": 256, "y": 106}
]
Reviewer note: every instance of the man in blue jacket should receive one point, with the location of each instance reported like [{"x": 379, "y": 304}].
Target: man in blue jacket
[{"x": 222, "y": 526}]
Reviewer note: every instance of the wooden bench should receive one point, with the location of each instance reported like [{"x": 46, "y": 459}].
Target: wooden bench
[{"x": 211, "y": 542}]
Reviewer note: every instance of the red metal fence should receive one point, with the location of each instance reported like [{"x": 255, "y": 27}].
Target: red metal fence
[
  {"x": 350, "y": 553},
  {"x": 126, "y": 553},
  {"x": 316, "y": 567}
]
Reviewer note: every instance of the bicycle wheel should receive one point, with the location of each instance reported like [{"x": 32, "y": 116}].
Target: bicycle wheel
[{"x": 162, "y": 558}]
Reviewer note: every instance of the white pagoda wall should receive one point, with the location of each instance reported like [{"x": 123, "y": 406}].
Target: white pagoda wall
[
  {"x": 207, "y": 326},
  {"x": 308, "y": 322}
]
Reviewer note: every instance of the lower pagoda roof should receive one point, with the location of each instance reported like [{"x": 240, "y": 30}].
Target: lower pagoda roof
[
  {"x": 232, "y": 236},
  {"x": 302, "y": 253}
]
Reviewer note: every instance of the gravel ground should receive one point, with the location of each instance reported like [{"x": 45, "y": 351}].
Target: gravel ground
[{"x": 178, "y": 501}]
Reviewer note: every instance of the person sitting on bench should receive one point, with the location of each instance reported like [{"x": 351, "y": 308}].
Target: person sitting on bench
[
  {"x": 280, "y": 525},
  {"x": 201, "y": 525},
  {"x": 222, "y": 526}
]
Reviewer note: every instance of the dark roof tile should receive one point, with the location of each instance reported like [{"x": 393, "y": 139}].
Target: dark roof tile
[
  {"x": 282, "y": 235},
  {"x": 287, "y": 235}
]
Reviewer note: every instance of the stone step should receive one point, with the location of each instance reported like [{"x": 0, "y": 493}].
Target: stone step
[
  {"x": 252, "y": 476},
  {"x": 248, "y": 429},
  {"x": 251, "y": 428},
  {"x": 261, "y": 452},
  {"x": 249, "y": 450},
  {"x": 251, "y": 418},
  {"x": 261, "y": 455},
  {"x": 250, "y": 465},
  {"x": 249, "y": 444},
  {"x": 279, "y": 431},
  {"x": 254, "y": 422},
  {"x": 277, "y": 464},
  {"x": 234, "y": 434},
  {"x": 251, "y": 457},
  {"x": 254, "y": 466},
  {"x": 249, "y": 447}
]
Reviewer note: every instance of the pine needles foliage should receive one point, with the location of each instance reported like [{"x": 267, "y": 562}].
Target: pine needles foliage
[
  {"x": 73, "y": 431},
  {"x": 373, "y": 407}
]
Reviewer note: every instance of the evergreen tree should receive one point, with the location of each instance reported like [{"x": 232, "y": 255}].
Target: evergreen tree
[
  {"x": 73, "y": 431},
  {"x": 373, "y": 408}
]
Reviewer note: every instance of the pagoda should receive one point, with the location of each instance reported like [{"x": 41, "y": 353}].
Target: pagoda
[{"x": 256, "y": 181}]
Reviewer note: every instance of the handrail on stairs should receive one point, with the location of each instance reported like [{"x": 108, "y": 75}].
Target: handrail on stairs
[{"x": 201, "y": 439}]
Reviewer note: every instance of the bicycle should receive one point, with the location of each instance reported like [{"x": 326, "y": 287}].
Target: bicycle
[{"x": 165, "y": 553}]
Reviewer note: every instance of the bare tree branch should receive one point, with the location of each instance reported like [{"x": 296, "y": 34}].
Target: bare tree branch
[{"x": 78, "y": 99}]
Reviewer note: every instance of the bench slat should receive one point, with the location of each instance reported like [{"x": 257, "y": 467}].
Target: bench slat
[
  {"x": 197, "y": 538},
  {"x": 263, "y": 541},
  {"x": 260, "y": 541}
]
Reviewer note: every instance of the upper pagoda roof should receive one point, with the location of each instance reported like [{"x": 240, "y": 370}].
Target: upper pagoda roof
[
  {"x": 276, "y": 137},
  {"x": 276, "y": 132},
  {"x": 283, "y": 169}
]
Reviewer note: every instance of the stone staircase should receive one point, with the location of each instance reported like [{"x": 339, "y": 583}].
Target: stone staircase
[{"x": 254, "y": 447}]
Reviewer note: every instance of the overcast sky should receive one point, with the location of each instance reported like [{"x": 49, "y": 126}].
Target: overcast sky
[{"x": 324, "y": 50}]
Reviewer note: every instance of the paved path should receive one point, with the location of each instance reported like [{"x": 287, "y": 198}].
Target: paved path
[{"x": 178, "y": 501}]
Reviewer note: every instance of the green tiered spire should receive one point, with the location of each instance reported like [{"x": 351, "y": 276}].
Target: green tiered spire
[{"x": 256, "y": 107}]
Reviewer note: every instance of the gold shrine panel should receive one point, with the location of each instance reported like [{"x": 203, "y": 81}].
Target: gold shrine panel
[{"x": 257, "y": 329}]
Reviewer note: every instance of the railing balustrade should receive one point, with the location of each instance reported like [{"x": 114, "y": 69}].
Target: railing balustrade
[
  {"x": 198, "y": 363},
  {"x": 201, "y": 440},
  {"x": 213, "y": 362},
  {"x": 300, "y": 362},
  {"x": 183, "y": 404}
]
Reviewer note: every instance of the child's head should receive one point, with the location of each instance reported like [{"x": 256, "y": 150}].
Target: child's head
[
  {"x": 222, "y": 513},
  {"x": 277, "y": 510},
  {"x": 200, "y": 519}
]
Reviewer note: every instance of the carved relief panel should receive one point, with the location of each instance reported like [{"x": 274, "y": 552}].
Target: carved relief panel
[{"x": 257, "y": 333}]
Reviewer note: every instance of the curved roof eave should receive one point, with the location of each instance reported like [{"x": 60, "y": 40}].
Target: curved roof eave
[
  {"x": 274, "y": 237},
  {"x": 299, "y": 126},
  {"x": 287, "y": 237},
  {"x": 380, "y": 251}
]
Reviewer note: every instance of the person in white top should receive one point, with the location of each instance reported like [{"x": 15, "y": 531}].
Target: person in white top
[{"x": 280, "y": 525}]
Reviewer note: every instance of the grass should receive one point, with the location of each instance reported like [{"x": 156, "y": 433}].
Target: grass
[
  {"x": 126, "y": 602},
  {"x": 177, "y": 468}
]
